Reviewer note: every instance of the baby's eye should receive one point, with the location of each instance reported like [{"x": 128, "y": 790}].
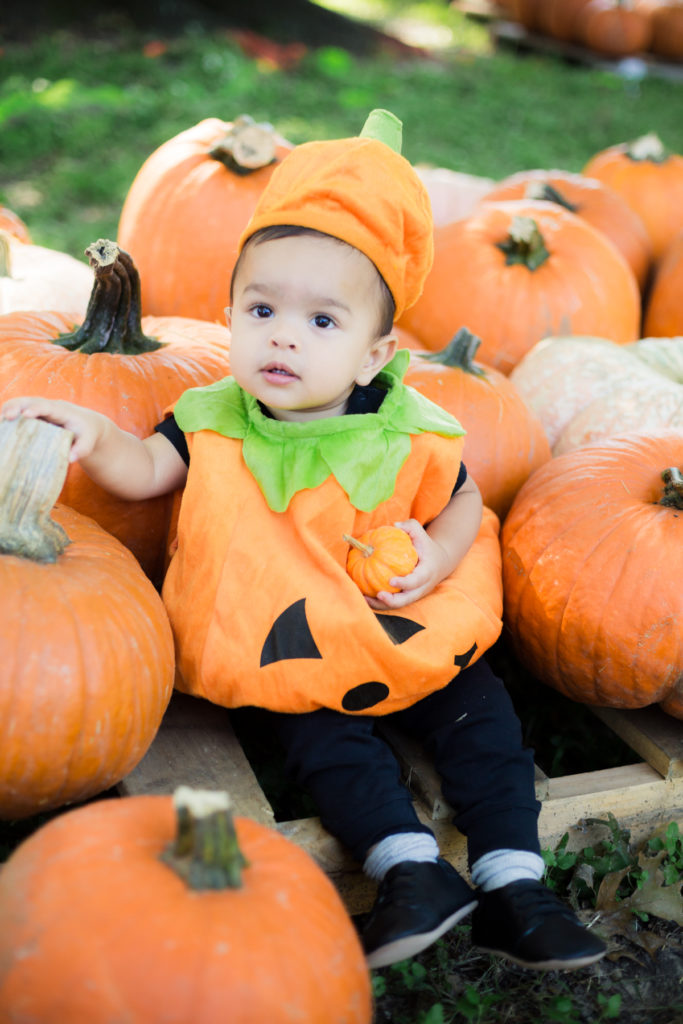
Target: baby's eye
[
  {"x": 322, "y": 320},
  {"x": 262, "y": 311}
]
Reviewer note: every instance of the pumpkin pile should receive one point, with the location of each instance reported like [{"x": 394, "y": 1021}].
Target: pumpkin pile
[{"x": 609, "y": 28}]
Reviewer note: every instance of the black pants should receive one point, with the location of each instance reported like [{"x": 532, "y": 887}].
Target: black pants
[{"x": 471, "y": 731}]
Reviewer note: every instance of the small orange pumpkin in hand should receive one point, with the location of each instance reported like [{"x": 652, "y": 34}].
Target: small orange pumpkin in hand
[{"x": 377, "y": 556}]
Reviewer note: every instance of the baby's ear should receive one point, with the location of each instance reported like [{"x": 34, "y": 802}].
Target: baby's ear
[{"x": 380, "y": 353}]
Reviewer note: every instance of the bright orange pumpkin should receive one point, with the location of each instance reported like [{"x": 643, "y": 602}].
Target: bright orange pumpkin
[
  {"x": 505, "y": 442},
  {"x": 130, "y": 915},
  {"x": 516, "y": 271},
  {"x": 377, "y": 556},
  {"x": 592, "y": 564},
  {"x": 591, "y": 199},
  {"x": 107, "y": 363},
  {"x": 183, "y": 216},
  {"x": 87, "y": 652},
  {"x": 650, "y": 179},
  {"x": 664, "y": 310}
]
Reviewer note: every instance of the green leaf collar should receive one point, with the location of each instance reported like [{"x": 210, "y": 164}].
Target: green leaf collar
[{"x": 364, "y": 452}]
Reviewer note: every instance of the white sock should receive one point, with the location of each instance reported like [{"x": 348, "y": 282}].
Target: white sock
[
  {"x": 395, "y": 849},
  {"x": 499, "y": 867}
]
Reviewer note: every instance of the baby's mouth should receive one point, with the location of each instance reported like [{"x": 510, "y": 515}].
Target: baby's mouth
[{"x": 278, "y": 371}]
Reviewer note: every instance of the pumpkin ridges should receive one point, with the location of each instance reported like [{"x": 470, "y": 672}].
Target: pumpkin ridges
[
  {"x": 150, "y": 949},
  {"x": 526, "y": 307},
  {"x": 664, "y": 310},
  {"x": 583, "y": 537}
]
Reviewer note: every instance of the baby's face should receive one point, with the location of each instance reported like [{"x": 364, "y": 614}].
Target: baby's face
[{"x": 304, "y": 325}]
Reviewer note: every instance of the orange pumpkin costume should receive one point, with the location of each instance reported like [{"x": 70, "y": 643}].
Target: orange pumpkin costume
[{"x": 261, "y": 605}]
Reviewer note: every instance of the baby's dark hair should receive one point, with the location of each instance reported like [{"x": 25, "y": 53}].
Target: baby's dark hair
[{"x": 269, "y": 234}]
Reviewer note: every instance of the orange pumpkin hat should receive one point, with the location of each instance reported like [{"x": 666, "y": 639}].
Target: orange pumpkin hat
[{"x": 364, "y": 192}]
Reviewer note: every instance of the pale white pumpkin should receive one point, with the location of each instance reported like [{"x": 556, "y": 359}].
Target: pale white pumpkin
[{"x": 33, "y": 277}]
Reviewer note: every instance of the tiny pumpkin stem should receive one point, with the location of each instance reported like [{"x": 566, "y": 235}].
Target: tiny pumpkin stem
[
  {"x": 458, "y": 353},
  {"x": 365, "y": 549},
  {"x": 544, "y": 190},
  {"x": 113, "y": 319},
  {"x": 524, "y": 244},
  {"x": 34, "y": 458},
  {"x": 205, "y": 852},
  {"x": 672, "y": 496},
  {"x": 246, "y": 146},
  {"x": 648, "y": 147},
  {"x": 5, "y": 255}
]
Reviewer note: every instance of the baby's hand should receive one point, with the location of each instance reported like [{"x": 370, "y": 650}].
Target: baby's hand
[
  {"x": 84, "y": 424},
  {"x": 432, "y": 566}
]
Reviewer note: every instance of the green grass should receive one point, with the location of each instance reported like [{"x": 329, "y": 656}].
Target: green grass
[{"x": 79, "y": 116}]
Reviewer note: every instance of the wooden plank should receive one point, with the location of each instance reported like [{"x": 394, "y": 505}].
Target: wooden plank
[
  {"x": 196, "y": 746},
  {"x": 657, "y": 737},
  {"x": 422, "y": 779}
]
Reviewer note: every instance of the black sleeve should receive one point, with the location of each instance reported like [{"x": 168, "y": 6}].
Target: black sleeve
[
  {"x": 462, "y": 476},
  {"x": 170, "y": 429}
]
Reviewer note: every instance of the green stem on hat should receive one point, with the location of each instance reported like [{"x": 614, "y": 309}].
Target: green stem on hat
[{"x": 385, "y": 127}]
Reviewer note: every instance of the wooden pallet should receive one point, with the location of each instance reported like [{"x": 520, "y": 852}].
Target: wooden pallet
[{"x": 197, "y": 746}]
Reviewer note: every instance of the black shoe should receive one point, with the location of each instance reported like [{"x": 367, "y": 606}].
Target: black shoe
[
  {"x": 416, "y": 903},
  {"x": 527, "y": 923}
]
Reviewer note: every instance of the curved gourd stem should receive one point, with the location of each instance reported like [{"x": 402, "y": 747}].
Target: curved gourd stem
[
  {"x": 34, "y": 458},
  {"x": 5, "y": 255},
  {"x": 113, "y": 319},
  {"x": 544, "y": 190},
  {"x": 524, "y": 244},
  {"x": 672, "y": 496},
  {"x": 246, "y": 146},
  {"x": 647, "y": 147},
  {"x": 459, "y": 353},
  {"x": 365, "y": 549},
  {"x": 205, "y": 852}
]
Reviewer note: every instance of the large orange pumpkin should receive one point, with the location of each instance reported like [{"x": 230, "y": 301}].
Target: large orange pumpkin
[
  {"x": 107, "y": 363},
  {"x": 186, "y": 209},
  {"x": 650, "y": 179},
  {"x": 591, "y": 199},
  {"x": 87, "y": 652},
  {"x": 664, "y": 309},
  {"x": 126, "y": 914},
  {"x": 592, "y": 563},
  {"x": 505, "y": 442},
  {"x": 519, "y": 270}
]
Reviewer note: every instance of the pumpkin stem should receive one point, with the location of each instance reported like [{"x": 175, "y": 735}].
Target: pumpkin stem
[
  {"x": 205, "y": 853},
  {"x": 34, "y": 458},
  {"x": 246, "y": 146},
  {"x": 113, "y": 319},
  {"x": 672, "y": 496},
  {"x": 365, "y": 549},
  {"x": 5, "y": 255},
  {"x": 647, "y": 147},
  {"x": 524, "y": 244},
  {"x": 459, "y": 353},
  {"x": 544, "y": 190}
]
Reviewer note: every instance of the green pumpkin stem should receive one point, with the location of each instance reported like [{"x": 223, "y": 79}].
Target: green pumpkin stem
[
  {"x": 34, "y": 458},
  {"x": 544, "y": 190},
  {"x": 205, "y": 852},
  {"x": 459, "y": 353},
  {"x": 113, "y": 319},
  {"x": 524, "y": 244},
  {"x": 365, "y": 549},
  {"x": 672, "y": 496}
]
